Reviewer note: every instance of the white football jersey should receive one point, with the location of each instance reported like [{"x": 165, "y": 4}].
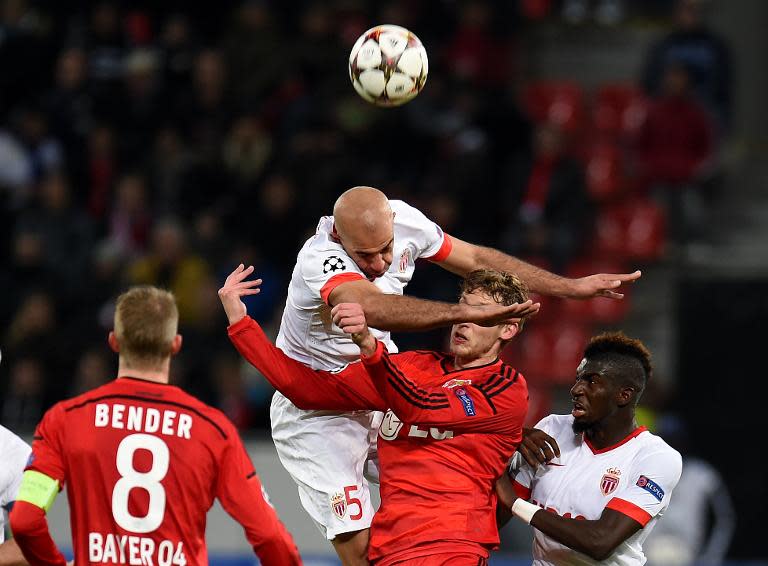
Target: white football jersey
[
  {"x": 307, "y": 333},
  {"x": 635, "y": 477},
  {"x": 14, "y": 453}
]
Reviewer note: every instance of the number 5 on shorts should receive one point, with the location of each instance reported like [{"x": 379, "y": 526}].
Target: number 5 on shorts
[{"x": 353, "y": 501}]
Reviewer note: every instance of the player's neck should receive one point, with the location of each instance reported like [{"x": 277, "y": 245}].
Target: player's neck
[
  {"x": 473, "y": 362},
  {"x": 158, "y": 374},
  {"x": 611, "y": 431}
]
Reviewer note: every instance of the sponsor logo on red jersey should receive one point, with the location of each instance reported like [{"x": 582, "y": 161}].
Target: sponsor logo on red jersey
[{"x": 451, "y": 383}]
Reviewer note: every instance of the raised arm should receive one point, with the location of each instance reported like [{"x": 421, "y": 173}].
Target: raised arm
[
  {"x": 465, "y": 257},
  {"x": 399, "y": 313},
  {"x": 349, "y": 389}
]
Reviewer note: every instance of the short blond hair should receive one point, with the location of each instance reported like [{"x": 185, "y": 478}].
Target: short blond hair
[
  {"x": 504, "y": 288},
  {"x": 146, "y": 322}
]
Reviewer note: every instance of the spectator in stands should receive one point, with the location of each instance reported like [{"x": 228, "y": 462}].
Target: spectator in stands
[
  {"x": 23, "y": 400},
  {"x": 674, "y": 148},
  {"x": 94, "y": 368},
  {"x": 700, "y": 50},
  {"x": 69, "y": 104},
  {"x": 170, "y": 265},
  {"x": 64, "y": 229},
  {"x": 101, "y": 168},
  {"x": 131, "y": 217},
  {"x": 547, "y": 204}
]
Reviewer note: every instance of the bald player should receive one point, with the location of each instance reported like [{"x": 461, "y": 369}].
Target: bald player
[{"x": 366, "y": 253}]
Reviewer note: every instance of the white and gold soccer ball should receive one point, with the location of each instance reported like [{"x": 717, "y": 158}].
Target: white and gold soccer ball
[{"x": 388, "y": 65}]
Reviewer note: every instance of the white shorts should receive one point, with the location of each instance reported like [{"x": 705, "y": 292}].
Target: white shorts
[{"x": 327, "y": 455}]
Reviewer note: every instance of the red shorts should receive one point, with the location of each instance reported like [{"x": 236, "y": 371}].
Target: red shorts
[{"x": 446, "y": 559}]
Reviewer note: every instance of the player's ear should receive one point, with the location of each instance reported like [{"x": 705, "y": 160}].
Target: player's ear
[
  {"x": 509, "y": 331},
  {"x": 113, "y": 343},
  {"x": 335, "y": 233},
  {"x": 625, "y": 395},
  {"x": 176, "y": 344}
]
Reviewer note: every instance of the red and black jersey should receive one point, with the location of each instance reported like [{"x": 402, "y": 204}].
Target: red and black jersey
[
  {"x": 446, "y": 437},
  {"x": 142, "y": 463}
]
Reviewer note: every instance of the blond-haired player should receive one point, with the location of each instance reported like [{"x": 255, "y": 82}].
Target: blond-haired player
[{"x": 142, "y": 461}]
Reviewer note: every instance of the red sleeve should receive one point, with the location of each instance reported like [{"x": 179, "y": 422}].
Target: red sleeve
[
  {"x": 348, "y": 390},
  {"x": 242, "y": 496},
  {"x": 30, "y": 529},
  {"x": 630, "y": 510},
  {"x": 444, "y": 251},
  {"x": 46, "y": 446},
  {"x": 496, "y": 404},
  {"x": 335, "y": 281}
]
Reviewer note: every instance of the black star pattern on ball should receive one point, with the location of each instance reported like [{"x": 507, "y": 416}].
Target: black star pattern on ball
[{"x": 332, "y": 264}]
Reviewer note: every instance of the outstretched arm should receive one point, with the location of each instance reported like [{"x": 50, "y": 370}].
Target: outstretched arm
[
  {"x": 466, "y": 257},
  {"x": 402, "y": 313},
  {"x": 349, "y": 389}
]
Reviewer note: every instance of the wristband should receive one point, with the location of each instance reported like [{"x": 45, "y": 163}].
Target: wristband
[{"x": 524, "y": 510}]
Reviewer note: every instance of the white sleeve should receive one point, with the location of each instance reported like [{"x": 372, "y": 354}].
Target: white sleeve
[
  {"x": 15, "y": 458},
  {"x": 323, "y": 269},
  {"x": 429, "y": 239},
  {"x": 652, "y": 478}
]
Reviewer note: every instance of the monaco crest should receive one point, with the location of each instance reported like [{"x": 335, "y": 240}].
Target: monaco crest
[
  {"x": 339, "y": 505},
  {"x": 610, "y": 481},
  {"x": 405, "y": 258}
]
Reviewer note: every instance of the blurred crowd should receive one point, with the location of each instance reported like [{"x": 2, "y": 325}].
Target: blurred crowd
[{"x": 162, "y": 143}]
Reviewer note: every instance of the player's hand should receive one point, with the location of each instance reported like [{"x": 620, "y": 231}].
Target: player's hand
[
  {"x": 492, "y": 315},
  {"x": 234, "y": 288},
  {"x": 600, "y": 285},
  {"x": 350, "y": 317},
  {"x": 537, "y": 447}
]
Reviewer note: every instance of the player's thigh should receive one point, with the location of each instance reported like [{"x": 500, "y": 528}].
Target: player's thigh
[
  {"x": 325, "y": 454},
  {"x": 352, "y": 548}
]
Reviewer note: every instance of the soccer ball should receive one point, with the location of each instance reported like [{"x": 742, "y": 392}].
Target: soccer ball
[{"x": 388, "y": 65}]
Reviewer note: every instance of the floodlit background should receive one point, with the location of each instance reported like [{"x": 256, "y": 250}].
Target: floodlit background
[{"x": 165, "y": 142}]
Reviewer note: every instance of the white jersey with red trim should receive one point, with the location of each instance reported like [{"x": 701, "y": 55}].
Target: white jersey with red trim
[
  {"x": 635, "y": 477},
  {"x": 15, "y": 453},
  {"x": 307, "y": 333}
]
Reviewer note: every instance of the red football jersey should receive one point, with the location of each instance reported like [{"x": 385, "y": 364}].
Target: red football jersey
[
  {"x": 142, "y": 463},
  {"x": 445, "y": 439}
]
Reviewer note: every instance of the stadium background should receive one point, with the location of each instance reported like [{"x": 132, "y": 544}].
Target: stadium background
[{"x": 166, "y": 142}]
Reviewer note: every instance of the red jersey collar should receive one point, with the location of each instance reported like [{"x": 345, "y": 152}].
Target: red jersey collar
[{"x": 629, "y": 437}]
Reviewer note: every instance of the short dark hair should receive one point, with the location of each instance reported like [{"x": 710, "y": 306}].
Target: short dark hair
[
  {"x": 628, "y": 356},
  {"x": 505, "y": 288}
]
